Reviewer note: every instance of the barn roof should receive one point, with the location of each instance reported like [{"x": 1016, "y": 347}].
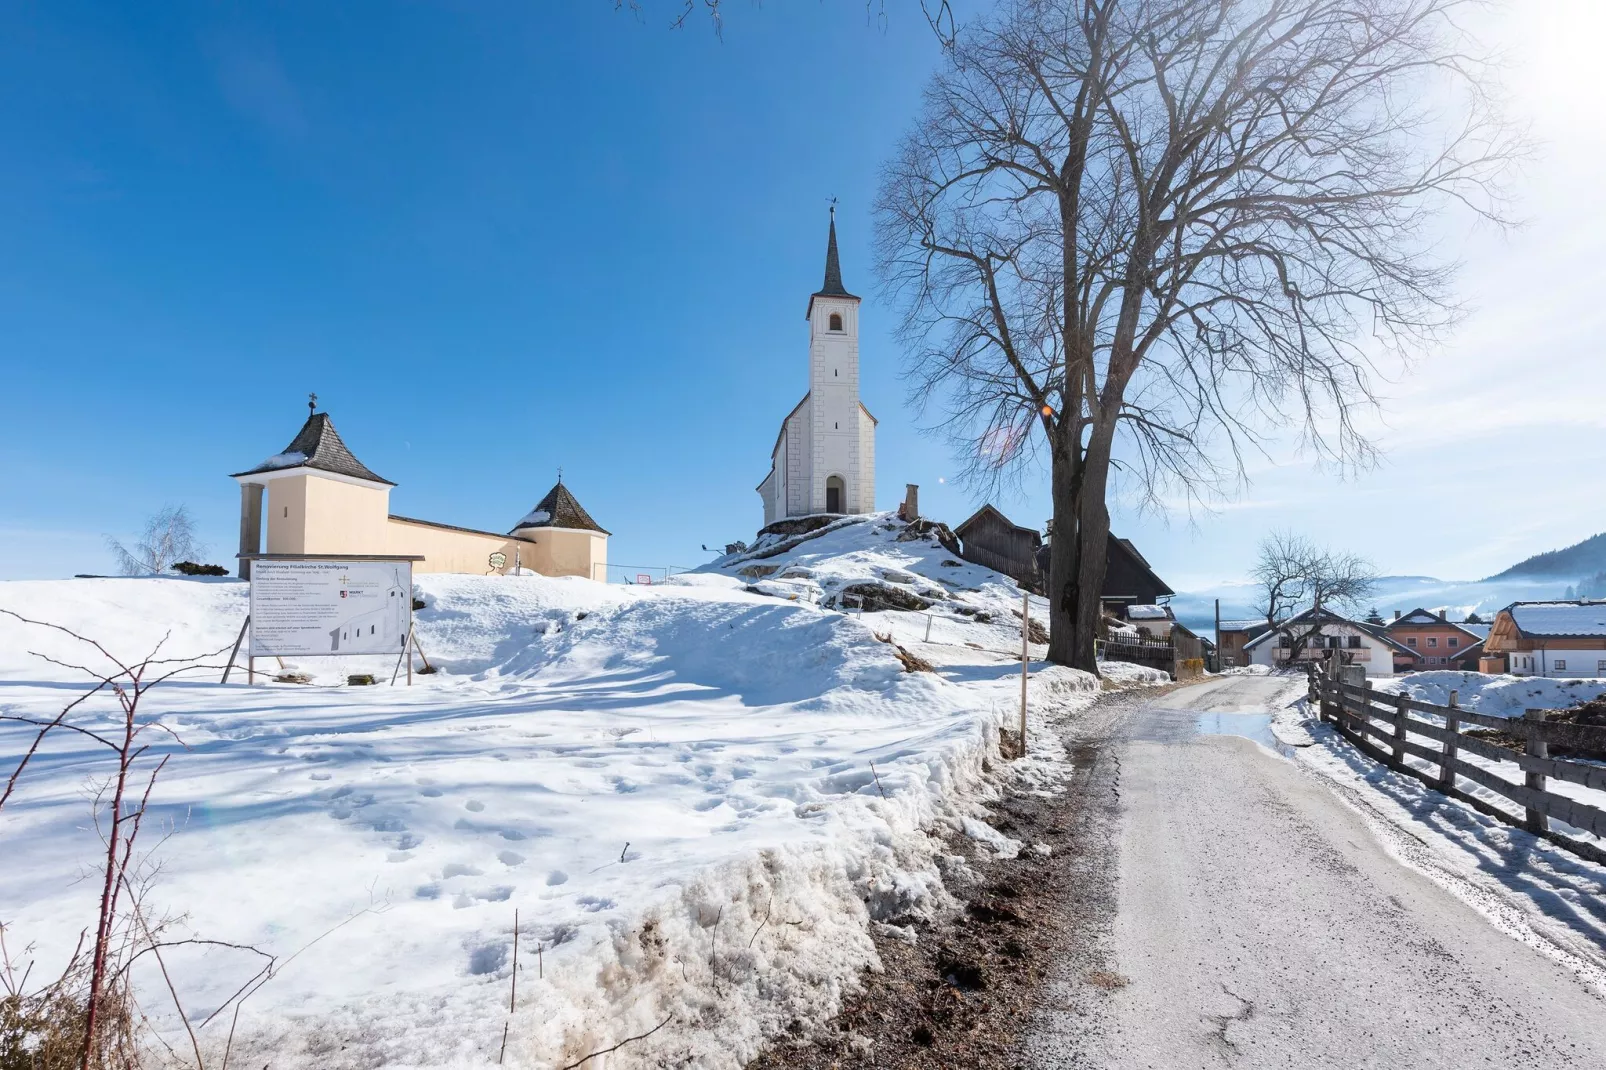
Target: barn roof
[
  {"x": 989, "y": 510},
  {"x": 317, "y": 446}
]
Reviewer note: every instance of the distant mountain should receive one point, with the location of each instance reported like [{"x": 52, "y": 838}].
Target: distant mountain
[{"x": 1584, "y": 559}]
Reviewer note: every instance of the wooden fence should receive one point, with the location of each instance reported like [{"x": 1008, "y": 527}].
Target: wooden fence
[{"x": 1347, "y": 701}]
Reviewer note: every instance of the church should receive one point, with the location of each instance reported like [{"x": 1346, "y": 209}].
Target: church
[{"x": 824, "y": 456}]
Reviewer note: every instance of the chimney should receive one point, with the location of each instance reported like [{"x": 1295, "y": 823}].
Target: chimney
[
  {"x": 909, "y": 511},
  {"x": 1396, "y": 614}
]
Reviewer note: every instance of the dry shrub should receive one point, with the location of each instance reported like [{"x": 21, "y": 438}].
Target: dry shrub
[{"x": 911, "y": 662}]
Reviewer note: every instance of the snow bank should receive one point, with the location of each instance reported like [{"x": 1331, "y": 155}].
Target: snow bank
[
  {"x": 671, "y": 786},
  {"x": 1495, "y": 696}
]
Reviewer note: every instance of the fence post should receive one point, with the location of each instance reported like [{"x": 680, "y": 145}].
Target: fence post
[
  {"x": 1535, "y": 820},
  {"x": 1452, "y": 746},
  {"x": 1399, "y": 731},
  {"x": 1313, "y": 693}
]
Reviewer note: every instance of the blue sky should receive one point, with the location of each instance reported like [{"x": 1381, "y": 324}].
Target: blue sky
[{"x": 498, "y": 239}]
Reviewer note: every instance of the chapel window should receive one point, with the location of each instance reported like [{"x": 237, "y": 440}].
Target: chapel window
[{"x": 836, "y": 321}]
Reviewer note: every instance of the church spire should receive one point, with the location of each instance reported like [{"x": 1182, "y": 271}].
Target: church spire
[{"x": 833, "y": 267}]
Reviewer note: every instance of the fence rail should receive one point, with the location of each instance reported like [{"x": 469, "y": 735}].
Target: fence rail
[{"x": 1355, "y": 709}]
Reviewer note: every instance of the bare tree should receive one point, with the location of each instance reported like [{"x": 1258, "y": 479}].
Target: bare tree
[
  {"x": 1295, "y": 574},
  {"x": 168, "y": 538},
  {"x": 1156, "y": 231}
]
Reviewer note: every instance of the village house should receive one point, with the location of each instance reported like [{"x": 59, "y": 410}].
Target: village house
[
  {"x": 1554, "y": 639},
  {"x": 320, "y": 500},
  {"x": 1430, "y": 641},
  {"x": 1234, "y": 635},
  {"x": 1352, "y": 642}
]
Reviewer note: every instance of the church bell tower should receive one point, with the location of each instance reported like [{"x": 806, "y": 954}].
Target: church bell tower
[{"x": 843, "y": 467}]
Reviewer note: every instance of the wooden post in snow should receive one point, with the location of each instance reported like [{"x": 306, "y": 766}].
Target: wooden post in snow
[
  {"x": 1025, "y": 661},
  {"x": 1399, "y": 731},
  {"x": 1535, "y": 820},
  {"x": 1452, "y": 746},
  {"x": 233, "y": 653}
]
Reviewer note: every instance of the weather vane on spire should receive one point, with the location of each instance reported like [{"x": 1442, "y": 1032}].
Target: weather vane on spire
[
  {"x": 833, "y": 209},
  {"x": 560, "y": 473},
  {"x": 312, "y": 403}
]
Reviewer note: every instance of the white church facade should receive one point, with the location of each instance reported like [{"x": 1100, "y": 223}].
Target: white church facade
[{"x": 824, "y": 457}]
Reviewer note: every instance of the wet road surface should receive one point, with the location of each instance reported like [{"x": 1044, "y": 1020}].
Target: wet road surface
[{"x": 1248, "y": 918}]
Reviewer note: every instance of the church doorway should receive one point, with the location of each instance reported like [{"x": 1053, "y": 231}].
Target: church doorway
[{"x": 833, "y": 494}]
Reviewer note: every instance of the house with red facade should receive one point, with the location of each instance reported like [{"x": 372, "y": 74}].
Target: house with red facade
[{"x": 1427, "y": 640}]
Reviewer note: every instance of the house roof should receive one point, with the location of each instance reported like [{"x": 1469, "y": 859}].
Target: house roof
[
  {"x": 1479, "y": 630},
  {"x": 1558, "y": 619},
  {"x": 1244, "y": 625},
  {"x": 1327, "y": 616},
  {"x": 1148, "y": 613},
  {"x": 1421, "y": 618},
  {"x": 1125, "y": 546},
  {"x": 975, "y": 517},
  {"x": 317, "y": 446},
  {"x": 1468, "y": 653},
  {"x": 559, "y": 509}
]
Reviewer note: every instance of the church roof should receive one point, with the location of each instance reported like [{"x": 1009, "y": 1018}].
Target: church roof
[
  {"x": 833, "y": 270},
  {"x": 317, "y": 446},
  {"x": 559, "y": 509}
]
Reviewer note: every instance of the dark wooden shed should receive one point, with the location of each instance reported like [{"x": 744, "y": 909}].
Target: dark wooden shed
[
  {"x": 991, "y": 539},
  {"x": 1128, "y": 579}
]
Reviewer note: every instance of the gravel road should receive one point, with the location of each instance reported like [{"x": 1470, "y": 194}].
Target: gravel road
[{"x": 1253, "y": 920}]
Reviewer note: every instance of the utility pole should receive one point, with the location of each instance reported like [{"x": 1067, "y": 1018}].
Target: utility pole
[{"x": 1219, "y": 666}]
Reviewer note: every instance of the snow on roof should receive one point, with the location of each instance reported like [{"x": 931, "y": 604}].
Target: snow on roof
[
  {"x": 1147, "y": 613},
  {"x": 1559, "y": 618}
]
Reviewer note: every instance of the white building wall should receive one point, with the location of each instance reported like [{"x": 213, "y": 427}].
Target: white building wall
[
  {"x": 834, "y": 399},
  {"x": 799, "y": 460},
  {"x": 1558, "y": 663},
  {"x": 866, "y": 499}
]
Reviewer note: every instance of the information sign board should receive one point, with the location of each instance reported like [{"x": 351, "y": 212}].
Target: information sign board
[{"x": 310, "y": 607}]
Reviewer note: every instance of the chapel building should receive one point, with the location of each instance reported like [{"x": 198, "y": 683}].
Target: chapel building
[
  {"x": 824, "y": 457},
  {"x": 318, "y": 499}
]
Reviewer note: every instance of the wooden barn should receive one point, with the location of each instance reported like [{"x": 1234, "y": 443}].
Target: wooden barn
[{"x": 991, "y": 539}]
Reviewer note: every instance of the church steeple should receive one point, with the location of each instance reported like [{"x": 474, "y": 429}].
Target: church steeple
[
  {"x": 833, "y": 267},
  {"x": 833, "y": 270}
]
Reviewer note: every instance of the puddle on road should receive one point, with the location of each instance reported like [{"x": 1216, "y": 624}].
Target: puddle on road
[{"x": 1255, "y": 726}]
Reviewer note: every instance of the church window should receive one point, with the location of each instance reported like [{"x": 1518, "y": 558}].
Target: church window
[{"x": 836, "y": 321}]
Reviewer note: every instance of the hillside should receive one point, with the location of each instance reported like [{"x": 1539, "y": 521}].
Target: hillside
[
  {"x": 1581, "y": 559},
  {"x": 670, "y": 785}
]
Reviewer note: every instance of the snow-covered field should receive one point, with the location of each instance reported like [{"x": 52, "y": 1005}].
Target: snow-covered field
[
  {"x": 670, "y": 787},
  {"x": 1496, "y": 696}
]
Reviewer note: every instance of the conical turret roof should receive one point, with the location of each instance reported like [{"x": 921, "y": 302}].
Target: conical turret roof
[
  {"x": 559, "y": 509},
  {"x": 833, "y": 270},
  {"x": 317, "y": 446}
]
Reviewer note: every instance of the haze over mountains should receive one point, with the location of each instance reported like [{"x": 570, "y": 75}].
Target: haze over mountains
[{"x": 1572, "y": 571}]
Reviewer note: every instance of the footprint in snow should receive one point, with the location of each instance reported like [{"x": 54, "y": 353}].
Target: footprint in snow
[
  {"x": 459, "y": 869},
  {"x": 705, "y": 805},
  {"x": 512, "y": 834},
  {"x": 509, "y": 858},
  {"x": 594, "y": 903},
  {"x": 475, "y": 805},
  {"x": 557, "y": 876},
  {"x": 321, "y": 776},
  {"x": 431, "y": 793}
]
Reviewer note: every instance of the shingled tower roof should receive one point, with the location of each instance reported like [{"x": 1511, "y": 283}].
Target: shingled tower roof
[
  {"x": 559, "y": 509},
  {"x": 833, "y": 270},
  {"x": 317, "y": 446}
]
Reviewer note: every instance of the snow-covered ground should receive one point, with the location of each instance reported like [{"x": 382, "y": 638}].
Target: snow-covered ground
[
  {"x": 671, "y": 789},
  {"x": 1496, "y": 696}
]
